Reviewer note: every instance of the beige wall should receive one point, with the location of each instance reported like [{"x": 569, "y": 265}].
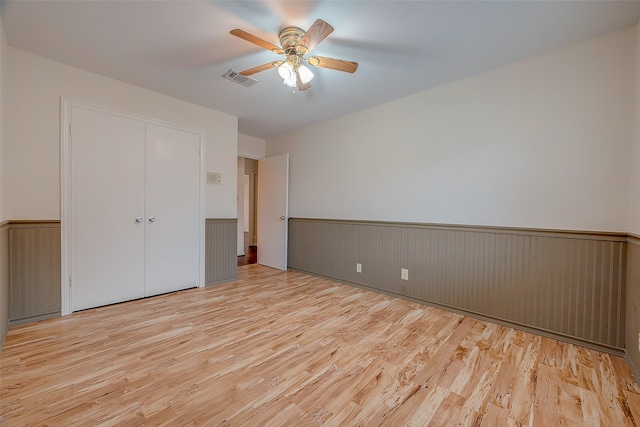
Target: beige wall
[
  {"x": 543, "y": 143},
  {"x": 251, "y": 147},
  {"x": 3, "y": 75},
  {"x": 4, "y": 231},
  {"x": 634, "y": 211},
  {"x": 633, "y": 254},
  {"x": 35, "y": 85}
]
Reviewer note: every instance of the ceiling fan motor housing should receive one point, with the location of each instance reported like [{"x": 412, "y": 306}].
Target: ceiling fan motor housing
[{"x": 289, "y": 37}]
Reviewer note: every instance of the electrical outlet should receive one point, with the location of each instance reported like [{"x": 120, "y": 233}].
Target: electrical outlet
[
  {"x": 404, "y": 274},
  {"x": 358, "y": 268}
]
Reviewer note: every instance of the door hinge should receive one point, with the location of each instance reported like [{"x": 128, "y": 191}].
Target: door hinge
[
  {"x": 69, "y": 129},
  {"x": 69, "y": 281}
]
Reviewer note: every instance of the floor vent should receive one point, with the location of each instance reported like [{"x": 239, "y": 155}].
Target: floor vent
[{"x": 235, "y": 76}]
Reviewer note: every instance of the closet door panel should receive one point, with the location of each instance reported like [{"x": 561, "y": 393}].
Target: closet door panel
[
  {"x": 172, "y": 209},
  {"x": 107, "y": 194}
]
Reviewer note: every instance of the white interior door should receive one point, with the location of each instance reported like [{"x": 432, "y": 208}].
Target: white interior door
[
  {"x": 172, "y": 210},
  {"x": 273, "y": 211},
  {"x": 106, "y": 197}
]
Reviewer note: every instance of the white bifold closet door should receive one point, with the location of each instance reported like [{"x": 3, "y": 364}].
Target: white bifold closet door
[
  {"x": 173, "y": 199},
  {"x": 135, "y": 208}
]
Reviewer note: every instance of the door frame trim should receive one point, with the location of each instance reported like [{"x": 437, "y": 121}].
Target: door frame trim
[{"x": 66, "y": 105}]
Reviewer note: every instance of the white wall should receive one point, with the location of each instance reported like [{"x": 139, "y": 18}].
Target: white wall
[
  {"x": 241, "y": 201},
  {"x": 3, "y": 75},
  {"x": 32, "y": 138},
  {"x": 4, "y": 234},
  {"x": 247, "y": 203},
  {"x": 251, "y": 147},
  {"x": 543, "y": 143},
  {"x": 634, "y": 210}
]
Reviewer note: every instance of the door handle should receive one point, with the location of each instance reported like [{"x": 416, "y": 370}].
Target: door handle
[
  {"x": 152, "y": 218},
  {"x": 138, "y": 219},
  {"x": 282, "y": 217}
]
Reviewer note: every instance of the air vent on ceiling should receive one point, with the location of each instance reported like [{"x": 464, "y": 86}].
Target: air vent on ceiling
[{"x": 235, "y": 76}]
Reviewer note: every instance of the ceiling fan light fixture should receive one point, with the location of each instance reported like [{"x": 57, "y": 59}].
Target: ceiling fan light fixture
[
  {"x": 295, "y": 43},
  {"x": 305, "y": 74},
  {"x": 291, "y": 81},
  {"x": 285, "y": 71}
]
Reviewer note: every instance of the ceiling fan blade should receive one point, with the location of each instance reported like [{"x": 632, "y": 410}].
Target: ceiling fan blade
[
  {"x": 256, "y": 40},
  {"x": 314, "y": 35},
  {"x": 333, "y": 64},
  {"x": 259, "y": 68},
  {"x": 301, "y": 86}
]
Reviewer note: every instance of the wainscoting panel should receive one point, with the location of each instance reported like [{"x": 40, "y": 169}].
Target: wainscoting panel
[
  {"x": 4, "y": 281},
  {"x": 633, "y": 306},
  {"x": 34, "y": 292},
  {"x": 567, "y": 284},
  {"x": 221, "y": 242}
]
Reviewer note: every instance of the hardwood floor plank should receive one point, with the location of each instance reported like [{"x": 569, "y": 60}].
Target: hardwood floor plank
[
  {"x": 495, "y": 416},
  {"x": 453, "y": 411},
  {"x": 348, "y": 411},
  {"x": 570, "y": 405},
  {"x": 546, "y": 407},
  {"x": 525, "y": 384},
  {"x": 285, "y": 348},
  {"x": 418, "y": 408},
  {"x": 502, "y": 389},
  {"x": 621, "y": 368},
  {"x": 633, "y": 402}
]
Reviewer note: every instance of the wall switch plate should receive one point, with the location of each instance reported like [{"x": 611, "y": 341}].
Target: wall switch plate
[
  {"x": 404, "y": 274},
  {"x": 358, "y": 268}
]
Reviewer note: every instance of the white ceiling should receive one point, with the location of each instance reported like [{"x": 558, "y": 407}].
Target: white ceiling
[{"x": 182, "y": 48}]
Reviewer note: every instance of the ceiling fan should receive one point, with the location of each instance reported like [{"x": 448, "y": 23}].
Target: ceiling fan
[{"x": 295, "y": 44}]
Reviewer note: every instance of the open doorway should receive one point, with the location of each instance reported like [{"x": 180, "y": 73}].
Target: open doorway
[{"x": 247, "y": 207}]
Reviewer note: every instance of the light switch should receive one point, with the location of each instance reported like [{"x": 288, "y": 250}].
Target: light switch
[{"x": 214, "y": 178}]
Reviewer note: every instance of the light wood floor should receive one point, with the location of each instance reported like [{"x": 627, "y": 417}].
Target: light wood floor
[{"x": 276, "y": 348}]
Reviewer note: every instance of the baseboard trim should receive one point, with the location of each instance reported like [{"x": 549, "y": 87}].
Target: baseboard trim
[
  {"x": 221, "y": 281},
  {"x": 549, "y": 334},
  {"x": 633, "y": 369},
  {"x": 45, "y": 316}
]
